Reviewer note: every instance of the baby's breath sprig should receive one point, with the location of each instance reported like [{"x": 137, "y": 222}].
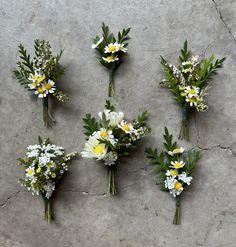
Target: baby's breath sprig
[
  {"x": 190, "y": 82},
  {"x": 45, "y": 165},
  {"x": 174, "y": 167},
  {"x": 112, "y": 138},
  {"x": 111, "y": 50},
  {"x": 41, "y": 74}
]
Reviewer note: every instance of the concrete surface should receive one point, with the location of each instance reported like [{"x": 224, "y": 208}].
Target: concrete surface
[{"x": 141, "y": 215}]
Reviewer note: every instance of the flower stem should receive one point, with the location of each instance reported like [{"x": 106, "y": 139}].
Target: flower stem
[
  {"x": 184, "y": 130},
  {"x": 111, "y": 187},
  {"x": 47, "y": 208},
  {"x": 47, "y": 118},
  {"x": 176, "y": 220},
  {"x": 110, "y": 87}
]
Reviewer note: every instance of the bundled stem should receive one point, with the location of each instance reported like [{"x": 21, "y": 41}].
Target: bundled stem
[
  {"x": 184, "y": 130},
  {"x": 47, "y": 118},
  {"x": 47, "y": 208},
  {"x": 176, "y": 220},
  {"x": 110, "y": 87},
  {"x": 111, "y": 187}
]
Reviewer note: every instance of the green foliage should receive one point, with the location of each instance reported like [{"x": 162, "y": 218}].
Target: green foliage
[
  {"x": 142, "y": 118},
  {"x": 109, "y": 106},
  {"x": 185, "y": 53},
  {"x": 168, "y": 143},
  {"x": 209, "y": 68},
  {"x": 191, "y": 159},
  {"x": 90, "y": 125}
]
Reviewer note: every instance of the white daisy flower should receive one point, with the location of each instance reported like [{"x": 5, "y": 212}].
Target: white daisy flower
[
  {"x": 30, "y": 172},
  {"x": 49, "y": 86},
  {"x": 41, "y": 92},
  {"x": 94, "y": 46},
  {"x": 192, "y": 101},
  {"x": 106, "y": 134},
  {"x": 126, "y": 127},
  {"x": 112, "y": 48},
  {"x": 176, "y": 151},
  {"x": 110, "y": 59},
  {"x": 192, "y": 91},
  {"x": 177, "y": 164},
  {"x": 94, "y": 149},
  {"x": 172, "y": 173}
]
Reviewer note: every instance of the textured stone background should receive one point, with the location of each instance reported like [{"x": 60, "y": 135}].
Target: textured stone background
[{"x": 141, "y": 215}]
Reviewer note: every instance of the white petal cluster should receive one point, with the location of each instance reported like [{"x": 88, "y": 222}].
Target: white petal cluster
[
  {"x": 44, "y": 166},
  {"x": 176, "y": 177}
]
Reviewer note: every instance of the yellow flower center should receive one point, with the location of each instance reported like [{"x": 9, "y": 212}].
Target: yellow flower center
[
  {"x": 192, "y": 99},
  {"x": 30, "y": 171},
  {"x": 178, "y": 185},
  {"x": 54, "y": 175},
  {"x": 40, "y": 90},
  {"x": 126, "y": 127},
  {"x": 38, "y": 170},
  {"x": 104, "y": 133},
  {"x": 176, "y": 151},
  {"x": 34, "y": 77},
  {"x": 34, "y": 84},
  {"x": 177, "y": 165},
  {"x": 98, "y": 149},
  {"x": 112, "y": 48},
  {"x": 174, "y": 172},
  {"x": 48, "y": 86},
  {"x": 181, "y": 88},
  {"x": 191, "y": 91},
  {"x": 110, "y": 58},
  {"x": 41, "y": 78}
]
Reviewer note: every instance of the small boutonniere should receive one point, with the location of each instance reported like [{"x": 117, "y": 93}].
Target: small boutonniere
[
  {"x": 111, "y": 138},
  {"x": 189, "y": 83},
  {"x": 45, "y": 165},
  {"x": 174, "y": 167},
  {"x": 41, "y": 74},
  {"x": 111, "y": 50}
]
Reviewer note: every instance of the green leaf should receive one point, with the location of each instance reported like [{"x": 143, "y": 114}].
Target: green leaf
[
  {"x": 90, "y": 125},
  {"x": 40, "y": 140},
  {"x": 142, "y": 118},
  {"x": 190, "y": 160},
  {"x": 185, "y": 53},
  {"x": 25, "y": 58},
  {"x": 168, "y": 143},
  {"x": 109, "y": 106}
]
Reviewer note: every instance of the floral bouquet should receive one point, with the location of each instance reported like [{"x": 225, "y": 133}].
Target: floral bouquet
[
  {"x": 41, "y": 75},
  {"x": 44, "y": 165},
  {"x": 112, "y": 138},
  {"x": 189, "y": 83},
  {"x": 111, "y": 50},
  {"x": 175, "y": 168}
]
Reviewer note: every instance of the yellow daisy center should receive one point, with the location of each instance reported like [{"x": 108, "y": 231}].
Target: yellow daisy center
[
  {"x": 177, "y": 165},
  {"x": 48, "y": 86},
  {"x": 176, "y": 151},
  {"x": 112, "y": 48},
  {"x": 53, "y": 175},
  {"x": 110, "y": 58},
  {"x": 126, "y": 127},
  {"x": 34, "y": 77},
  {"x": 40, "y": 90},
  {"x": 174, "y": 172},
  {"x": 30, "y": 171},
  {"x": 34, "y": 84},
  {"x": 38, "y": 170},
  {"x": 98, "y": 149},
  {"x": 104, "y": 133},
  {"x": 41, "y": 78},
  {"x": 192, "y": 99},
  {"x": 191, "y": 91},
  {"x": 178, "y": 185}
]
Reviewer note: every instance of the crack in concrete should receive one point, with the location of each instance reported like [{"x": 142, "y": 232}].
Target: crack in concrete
[
  {"x": 222, "y": 20},
  {"x": 84, "y": 192},
  {"x": 218, "y": 146},
  {"x": 3, "y": 204}
]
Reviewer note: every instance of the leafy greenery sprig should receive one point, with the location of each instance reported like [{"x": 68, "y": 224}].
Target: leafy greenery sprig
[{"x": 174, "y": 168}]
